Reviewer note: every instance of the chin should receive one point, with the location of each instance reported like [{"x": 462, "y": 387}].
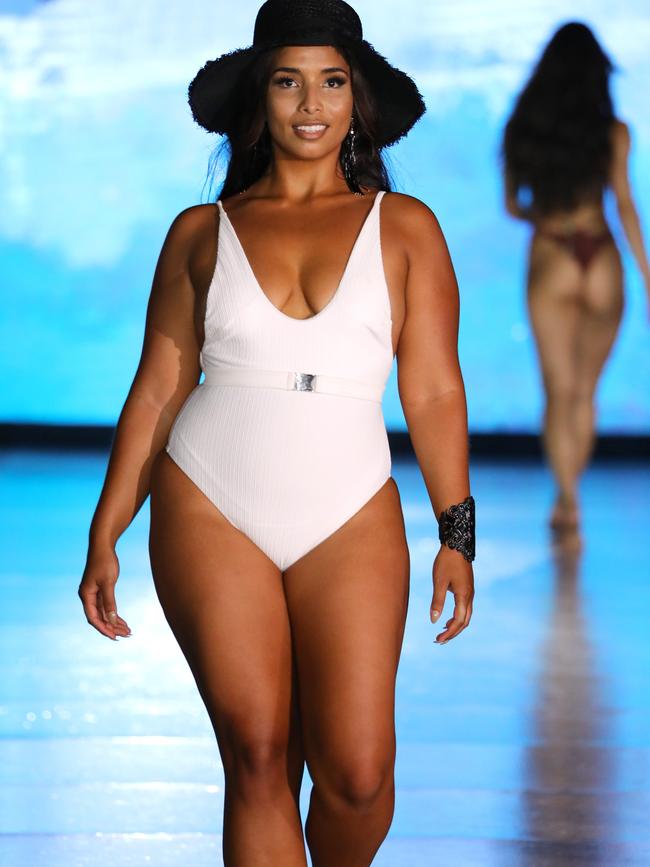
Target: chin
[{"x": 310, "y": 150}]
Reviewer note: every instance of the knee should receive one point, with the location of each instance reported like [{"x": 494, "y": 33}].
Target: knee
[
  {"x": 359, "y": 783},
  {"x": 255, "y": 761},
  {"x": 585, "y": 391},
  {"x": 561, "y": 394},
  {"x": 362, "y": 788}
]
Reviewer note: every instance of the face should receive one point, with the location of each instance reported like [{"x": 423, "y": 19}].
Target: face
[{"x": 309, "y": 100}]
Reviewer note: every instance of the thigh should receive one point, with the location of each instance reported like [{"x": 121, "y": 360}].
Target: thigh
[
  {"x": 347, "y": 602},
  {"x": 553, "y": 297},
  {"x": 224, "y": 601},
  {"x": 602, "y": 309}
]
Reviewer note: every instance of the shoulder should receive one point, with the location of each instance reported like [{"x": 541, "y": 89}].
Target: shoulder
[
  {"x": 193, "y": 221},
  {"x": 189, "y": 233},
  {"x": 620, "y": 135},
  {"x": 409, "y": 211},
  {"x": 412, "y": 221}
]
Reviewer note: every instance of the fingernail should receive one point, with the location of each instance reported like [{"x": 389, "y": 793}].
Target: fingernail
[
  {"x": 112, "y": 616},
  {"x": 434, "y": 616}
]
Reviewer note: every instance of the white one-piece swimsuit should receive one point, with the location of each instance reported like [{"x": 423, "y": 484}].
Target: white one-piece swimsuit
[{"x": 285, "y": 434}]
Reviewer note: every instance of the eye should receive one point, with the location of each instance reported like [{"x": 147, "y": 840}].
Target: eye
[
  {"x": 282, "y": 80},
  {"x": 338, "y": 80}
]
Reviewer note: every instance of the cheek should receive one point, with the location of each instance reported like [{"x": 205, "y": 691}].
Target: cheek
[
  {"x": 280, "y": 104},
  {"x": 339, "y": 103}
]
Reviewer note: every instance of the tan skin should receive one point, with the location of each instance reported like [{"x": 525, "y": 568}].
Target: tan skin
[
  {"x": 301, "y": 665},
  {"x": 575, "y": 317}
]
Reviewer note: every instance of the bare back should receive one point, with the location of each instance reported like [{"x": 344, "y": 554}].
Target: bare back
[{"x": 575, "y": 303}]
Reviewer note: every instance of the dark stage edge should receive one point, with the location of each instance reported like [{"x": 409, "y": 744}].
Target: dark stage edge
[{"x": 506, "y": 445}]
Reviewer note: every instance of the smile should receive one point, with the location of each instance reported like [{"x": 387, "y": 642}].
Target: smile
[{"x": 310, "y": 130}]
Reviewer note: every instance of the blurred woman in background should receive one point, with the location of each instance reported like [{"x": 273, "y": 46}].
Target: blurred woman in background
[{"x": 563, "y": 147}]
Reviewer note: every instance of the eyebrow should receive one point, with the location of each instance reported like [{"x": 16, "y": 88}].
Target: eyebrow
[{"x": 296, "y": 70}]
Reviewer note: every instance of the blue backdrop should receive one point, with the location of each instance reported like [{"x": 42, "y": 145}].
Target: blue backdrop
[{"x": 98, "y": 152}]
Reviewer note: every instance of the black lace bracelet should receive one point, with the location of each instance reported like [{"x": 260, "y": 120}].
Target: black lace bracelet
[{"x": 456, "y": 528}]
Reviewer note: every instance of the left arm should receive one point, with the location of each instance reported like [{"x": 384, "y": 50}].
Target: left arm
[{"x": 432, "y": 395}]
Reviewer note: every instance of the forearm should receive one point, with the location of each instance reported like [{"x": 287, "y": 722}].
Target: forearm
[
  {"x": 632, "y": 227},
  {"x": 141, "y": 433},
  {"x": 438, "y": 432}
]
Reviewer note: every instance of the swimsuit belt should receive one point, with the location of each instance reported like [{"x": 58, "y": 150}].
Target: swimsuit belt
[{"x": 292, "y": 381}]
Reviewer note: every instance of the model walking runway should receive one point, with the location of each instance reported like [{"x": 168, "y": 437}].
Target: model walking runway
[{"x": 277, "y": 539}]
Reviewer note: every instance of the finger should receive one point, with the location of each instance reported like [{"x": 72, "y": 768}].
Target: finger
[
  {"x": 94, "y": 617},
  {"x": 438, "y": 602},
  {"x": 107, "y": 593},
  {"x": 468, "y": 615},
  {"x": 102, "y": 608},
  {"x": 469, "y": 600},
  {"x": 109, "y": 606},
  {"x": 457, "y": 623},
  {"x": 124, "y": 624},
  {"x": 119, "y": 625}
]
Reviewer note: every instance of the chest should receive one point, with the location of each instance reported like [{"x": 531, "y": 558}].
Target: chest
[{"x": 300, "y": 265}]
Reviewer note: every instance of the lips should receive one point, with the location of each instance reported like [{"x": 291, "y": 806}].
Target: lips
[{"x": 310, "y": 130}]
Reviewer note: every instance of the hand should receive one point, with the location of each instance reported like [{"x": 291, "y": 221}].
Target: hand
[
  {"x": 451, "y": 571},
  {"x": 97, "y": 593}
]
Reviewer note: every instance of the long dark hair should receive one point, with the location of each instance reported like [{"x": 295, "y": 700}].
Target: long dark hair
[
  {"x": 556, "y": 145},
  {"x": 247, "y": 149}
]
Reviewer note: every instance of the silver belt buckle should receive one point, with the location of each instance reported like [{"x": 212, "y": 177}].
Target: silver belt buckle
[{"x": 303, "y": 381}]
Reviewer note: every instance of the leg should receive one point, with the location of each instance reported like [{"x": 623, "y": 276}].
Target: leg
[
  {"x": 224, "y": 601},
  {"x": 602, "y": 307},
  {"x": 347, "y": 601},
  {"x": 555, "y": 310}
]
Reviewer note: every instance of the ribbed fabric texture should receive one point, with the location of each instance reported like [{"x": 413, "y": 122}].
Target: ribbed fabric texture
[{"x": 288, "y": 468}]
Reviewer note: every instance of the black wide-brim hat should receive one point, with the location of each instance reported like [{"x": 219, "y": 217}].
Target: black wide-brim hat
[{"x": 213, "y": 93}]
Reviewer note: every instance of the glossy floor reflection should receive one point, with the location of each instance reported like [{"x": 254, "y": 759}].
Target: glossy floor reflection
[{"x": 524, "y": 742}]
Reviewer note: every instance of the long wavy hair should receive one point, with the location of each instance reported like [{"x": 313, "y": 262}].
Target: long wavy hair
[
  {"x": 556, "y": 146},
  {"x": 247, "y": 149}
]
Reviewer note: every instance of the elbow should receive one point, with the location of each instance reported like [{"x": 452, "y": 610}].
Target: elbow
[
  {"x": 160, "y": 391},
  {"x": 151, "y": 399},
  {"x": 415, "y": 405},
  {"x": 625, "y": 208},
  {"x": 162, "y": 406}
]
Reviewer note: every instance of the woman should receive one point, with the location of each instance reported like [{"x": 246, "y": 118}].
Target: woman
[
  {"x": 563, "y": 148},
  {"x": 277, "y": 537}
]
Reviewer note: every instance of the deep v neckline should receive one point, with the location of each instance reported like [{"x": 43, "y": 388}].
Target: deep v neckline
[{"x": 257, "y": 285}]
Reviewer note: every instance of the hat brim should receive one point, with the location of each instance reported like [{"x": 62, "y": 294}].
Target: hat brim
[
  {"x": 214, "y": 91},
  {"x": 399, "y": 103}
]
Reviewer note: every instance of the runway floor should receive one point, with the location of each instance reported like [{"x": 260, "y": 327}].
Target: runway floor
[{"x": 524, "y": 742}]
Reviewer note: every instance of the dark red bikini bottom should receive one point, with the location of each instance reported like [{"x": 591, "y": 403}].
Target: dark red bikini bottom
[{"x": 582, "y": 245}]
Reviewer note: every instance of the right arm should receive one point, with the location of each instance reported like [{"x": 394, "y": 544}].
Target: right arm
[
  {"x": 628, "y": 214},
  {"x": 167, "y": 373}
]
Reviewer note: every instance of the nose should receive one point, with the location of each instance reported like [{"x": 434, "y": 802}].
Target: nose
[{"x": 311, "y": 98}]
